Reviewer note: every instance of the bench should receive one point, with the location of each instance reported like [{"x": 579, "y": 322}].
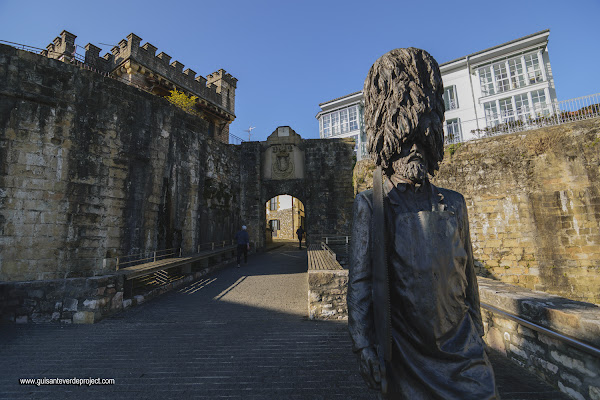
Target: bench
[
  {"x": 327, "y": 284},
  {"x": 320, "y": 257},
  {"x": 155, "y": 272}
]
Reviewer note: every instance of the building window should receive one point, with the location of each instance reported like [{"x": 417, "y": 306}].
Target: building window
[
  {"x": 506, "y": 110},
  {"x": 486, "y": 81},
  {"x": 522, "y": 105},
  {"x": 517, "y": 75},
  {"x": 274, "y": 225},
  {"x": 326, "y": 126},
  {"x": 335, "y": 123},
  {"x": 450, "y": 98},
  {"x": 534, "y": 70},
  {"x": 344, "y": 121},
  {"x": 273, "y": 204},
  {"x": 538, "y": 103},
  {"x": 491, "y": 113},
  {"x": 453, "y": 131},
  {"x": 501, "y": 76},
  {"x": 353, "y": 114},
  {"x": 339, "y": 122}
]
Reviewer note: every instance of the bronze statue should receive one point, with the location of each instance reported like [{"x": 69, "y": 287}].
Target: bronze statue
[{"x": 413, "y": 299}]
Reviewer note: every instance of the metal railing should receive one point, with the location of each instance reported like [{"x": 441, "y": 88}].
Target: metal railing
[
  {"x": 336, "y": 239},
  {"x": 526, "y": 118},
  {"x": 130, "y": 260},
  {"x": 235, "y": 139},
  {"x": 146, "y": 257},
  {"x": 330, "y": 252},
  {"x": 339, "y": 245},
  {"x": 36, "y": 50},
  {"x": 215, "y": 245},
  {"x": 555, "y": 335}
]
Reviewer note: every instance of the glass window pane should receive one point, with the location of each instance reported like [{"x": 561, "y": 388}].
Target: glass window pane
[
  {"x": 353, "y": 118},
  {"x": 506, "y": 109},
  {"x": 344, "y": 120},
  {"x": 486, "y": 82},
  {"x": 453, "y": 131},
  {"x": 491, "y": 113},
  {"x": 335, "y": 123},
  {"x": 534, "y": 70},
  {"x": 450, "y": 100},
  {"x": 517, "y": 76},
  {"x": 501, "y": 77}
]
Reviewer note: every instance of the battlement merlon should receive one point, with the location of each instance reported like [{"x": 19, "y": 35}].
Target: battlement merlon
[
  {"x": 62, "y": 46},
  {"x": 222, "y": 74}
]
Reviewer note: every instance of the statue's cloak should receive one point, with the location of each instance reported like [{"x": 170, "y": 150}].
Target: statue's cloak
[{"x": 437, "y": 349}]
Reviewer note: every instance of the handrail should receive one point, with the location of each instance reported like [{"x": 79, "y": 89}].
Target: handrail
[
  {"x": 149, "y": 255},
  {"x": 567, "y": 339},
  {"x": 334, "y": 239},
  {"x": 329, "y": 251},
  {"x": 37, "y": 50},
  {"x": 154, "y": 255}
]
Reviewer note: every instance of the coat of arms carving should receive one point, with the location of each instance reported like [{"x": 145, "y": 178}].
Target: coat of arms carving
[{"x": 282, "y": 161}]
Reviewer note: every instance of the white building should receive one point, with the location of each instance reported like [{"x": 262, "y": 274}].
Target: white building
[
  {"x": 343, "y": 117},
  {"x": 504, "y": 86}
]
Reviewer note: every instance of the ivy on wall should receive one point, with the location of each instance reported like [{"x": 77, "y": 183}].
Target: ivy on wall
[{"x": 185, "y": 102}]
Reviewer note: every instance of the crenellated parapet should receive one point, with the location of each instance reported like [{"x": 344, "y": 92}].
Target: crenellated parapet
[
  {"x": 139, "y": 65},
  {"x": 62, "y": 47}
]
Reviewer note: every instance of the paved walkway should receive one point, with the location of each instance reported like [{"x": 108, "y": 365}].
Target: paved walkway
[{"x": 239, "y": 333}]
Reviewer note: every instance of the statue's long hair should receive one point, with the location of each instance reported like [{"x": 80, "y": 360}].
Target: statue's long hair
[{"x": 403, "y": 96}]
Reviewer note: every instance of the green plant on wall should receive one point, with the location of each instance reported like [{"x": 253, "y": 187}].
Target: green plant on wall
[
  {"x": 185, "y": 102},
  {"x": 451, "y": 149}
]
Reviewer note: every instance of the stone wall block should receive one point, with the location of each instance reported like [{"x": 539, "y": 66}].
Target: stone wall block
[
  {"x": 70, "y": 304},
  {"x": 83, "y": 317},
  {"x": 117, "y": 301}
]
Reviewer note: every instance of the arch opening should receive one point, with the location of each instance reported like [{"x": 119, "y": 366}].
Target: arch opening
[{"x": 284, "y": 214}]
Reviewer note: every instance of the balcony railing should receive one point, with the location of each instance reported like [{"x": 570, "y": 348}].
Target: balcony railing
[{"x": 527, "y": 118}]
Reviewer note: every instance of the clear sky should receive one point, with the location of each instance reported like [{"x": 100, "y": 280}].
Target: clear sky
[{"x": 291, "y": 56}]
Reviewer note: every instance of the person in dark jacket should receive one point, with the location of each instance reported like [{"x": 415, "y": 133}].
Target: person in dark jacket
[
  {"x": 243, "y": 245},
  {"x": 300, "y": 233}
]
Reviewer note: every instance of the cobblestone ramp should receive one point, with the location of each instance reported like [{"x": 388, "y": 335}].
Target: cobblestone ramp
[{"x": 237, "y": 334}]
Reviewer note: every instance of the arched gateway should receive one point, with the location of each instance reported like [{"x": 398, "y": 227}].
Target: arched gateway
[{"x": 318, "y": 172}]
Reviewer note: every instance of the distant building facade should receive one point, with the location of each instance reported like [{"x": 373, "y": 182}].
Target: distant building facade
[
  {"x": 511, "y": 83},
  {"x": 285, "y": 214},
  {"x": 140, "y": 66},
  {"x": 342, "y": 118}
]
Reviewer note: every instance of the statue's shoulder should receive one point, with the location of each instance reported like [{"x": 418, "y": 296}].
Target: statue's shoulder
[{"x": 452, "y": 198}]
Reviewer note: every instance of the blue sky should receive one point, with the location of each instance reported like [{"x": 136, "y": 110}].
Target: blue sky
[{"x": 291, "y": 56}]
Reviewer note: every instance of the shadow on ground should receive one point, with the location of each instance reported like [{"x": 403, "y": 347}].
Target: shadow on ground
[{"x": 236, "y": 334}]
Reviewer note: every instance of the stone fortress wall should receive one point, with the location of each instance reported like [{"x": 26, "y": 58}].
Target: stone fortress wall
[
  {"x": 534, "y": 206},
  {"x": 92, "y": 168}
]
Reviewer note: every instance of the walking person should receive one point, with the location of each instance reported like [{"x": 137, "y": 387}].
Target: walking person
[
  {"x": 300, "y": 233},
  {"x": 243, "y": 245}
]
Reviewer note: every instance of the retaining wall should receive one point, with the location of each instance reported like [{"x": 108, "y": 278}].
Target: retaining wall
[
  {"x": 534, "y": 205},
  {"x": 573, "y": 371}
]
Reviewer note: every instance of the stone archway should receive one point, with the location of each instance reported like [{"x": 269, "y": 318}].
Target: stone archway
[
  {"x": 284, "y": 215},
  {"x": 318, "y": 172}
]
